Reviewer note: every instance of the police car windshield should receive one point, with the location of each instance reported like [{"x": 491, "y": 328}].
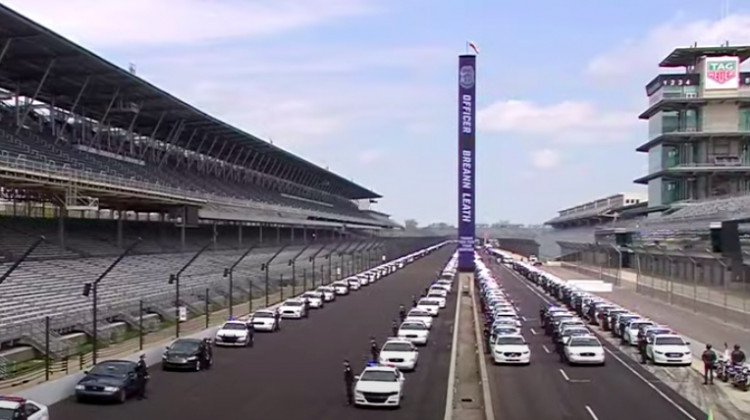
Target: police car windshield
[
  {"x": 413, "y": 326},
  {"x": 418, "y": 313},
  {"x": 110, "y": 369},
  {"x": 397, "y": 347},
  {"x": 427, "y": 302},
  {"x": 378, "y": 376},
  {"x": 510, "y": 341},
  {"x": 233, "y": 326},
  {"x": 7, "y": 414},
  {"x": 576, "y": 331},
  {"x": 293, "y": 303},
  {"x": 585, "y": 342},
  {"x": 184, "y": 346},
  {"x": 669, "y": 341},
  {"x": 263, "y": 315}
]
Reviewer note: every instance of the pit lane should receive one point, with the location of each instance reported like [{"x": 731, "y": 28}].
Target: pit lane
[{"x": 549, "y": 389}]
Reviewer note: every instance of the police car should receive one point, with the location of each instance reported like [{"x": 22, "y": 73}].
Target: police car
[
  {"x": 314, "y": 299},
  {"x": 415, "y": 331},
  {"x": 17, "y": 408},
  {"x": 399, "y": 353},
  {"x": 353, "y": 283},
  {"x": 439, "y": 297},
  {"x": 341, "y": 287},
  {"x": 416, "y": 314},
  {"x": 264, "y": 320},
  {"x": 234, "y": 333},
  {"x": 431, "y": 306},
  {"x": 379, "y": 386},
  {"x": 329, "y": 293},
  {"x": 293, "y": 308},
  {"x": 511, "y": 349}
]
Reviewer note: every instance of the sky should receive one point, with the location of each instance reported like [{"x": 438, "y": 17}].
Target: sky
[{"x": 368, "y": 88}]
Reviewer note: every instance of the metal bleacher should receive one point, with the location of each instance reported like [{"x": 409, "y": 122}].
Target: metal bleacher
[{"x": 53, "y": 287}]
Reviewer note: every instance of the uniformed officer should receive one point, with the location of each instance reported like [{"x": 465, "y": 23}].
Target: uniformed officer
[
  {"x": 277, "y": 318},
  {"x": 709, "y": 358},
  {"x": 349, "y": 382},
  {"x": 374, "y": 350},
  {"x": 141, "y": 372},
  {"x": 413, "y": 300},
  {"x": 394, "y": 328},
  {"x": 401, "y": 312},
  {"x": 642, "y": 346}
]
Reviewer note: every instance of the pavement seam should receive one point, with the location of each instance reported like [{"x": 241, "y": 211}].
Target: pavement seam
[
  {"x": 454, "y": 353},
  {"x": 489, "y": 413}
]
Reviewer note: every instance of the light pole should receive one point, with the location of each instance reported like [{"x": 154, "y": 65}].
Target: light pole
[
  {"x": 93, "y": 287},
  {"x": 266, "y": 267},
  {"x": 312, "y": 260},
  {"x": 229, "y": 272},
  {"x": 175, "y": 279},
  {"x": 293, "y": 264}
]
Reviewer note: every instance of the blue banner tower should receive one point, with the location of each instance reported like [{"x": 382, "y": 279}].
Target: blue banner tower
[{"x": 467, "y": 70}]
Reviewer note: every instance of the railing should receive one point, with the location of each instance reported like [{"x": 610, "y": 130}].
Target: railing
[{"x": 83, "y": 176}]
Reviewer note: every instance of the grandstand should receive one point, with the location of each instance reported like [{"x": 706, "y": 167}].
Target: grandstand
[{"x": 93, "y": 159}]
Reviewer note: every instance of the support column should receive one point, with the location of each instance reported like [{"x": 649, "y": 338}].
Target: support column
[
  {"x": 260, "y": 234},
  {"x": 183, "y": 226},
  {"x": 239, "y": 236},
  {"x": 119, "y": 228},
  {"x": 214, "y": 236},
  {"x": 291, "y": 235},
  {"x": 61, "y": 228},
  {"x": 304, "y": 234},
  {"x": 278, "y": 235}
]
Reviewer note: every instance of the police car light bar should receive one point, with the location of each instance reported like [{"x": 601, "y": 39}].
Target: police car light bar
[
  {"x": 372, "y": 364},
  {"x": 19, "y": 400}
]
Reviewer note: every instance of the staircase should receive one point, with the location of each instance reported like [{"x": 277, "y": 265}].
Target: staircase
[{"x": 35, "y": 337}]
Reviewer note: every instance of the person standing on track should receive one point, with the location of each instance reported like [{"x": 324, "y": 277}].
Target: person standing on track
[
  {"x": 141, "y": 372},
  {"x": 709, "y": 358},
  {"x": 394, "y": 328},
  {"x": 413, "y": 301},
  {"x": 374, "y": 350},
  {"x": 402, "y": 312},
  {"x": 642, "y": 346},
  {"x": 349, "y": 382}
]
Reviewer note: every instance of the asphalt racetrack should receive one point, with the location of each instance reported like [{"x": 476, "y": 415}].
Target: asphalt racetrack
[
  {"x": 297, "y": 373},
  {"x": 550, "y": 390}
]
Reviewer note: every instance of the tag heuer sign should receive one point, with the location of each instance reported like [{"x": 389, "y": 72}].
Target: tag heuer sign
[{"x": 722, "y": 71}]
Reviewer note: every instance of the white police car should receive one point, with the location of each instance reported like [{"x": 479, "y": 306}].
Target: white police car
[
  {"x": 431, "y": 306},
  {"x": 314, "y": 299},
  {"x": 511, "y": 349},
  {"x": 233, "y": 333},
  {"x": 416, "y": 314},
  {"x": 399, "y": 353},
  {"x": 415, "y": 331},
  {"x": 17, "y": 408},
  {"x": 329, "y": 293},
  {"x": 293, "y": 308},
  {"x": 379, "y": 386},
  {"x": 265, "y": 320},
  {"x": 341, "y": 287},
  {"x": 353, "y": 283}
]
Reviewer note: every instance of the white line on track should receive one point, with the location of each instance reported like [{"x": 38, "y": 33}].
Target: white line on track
[
  {"x": 611, "y": 353},
  {"x": 591, "y": 413},
  {"x": 546, "y": 350},
  {"x": 454, "y": 353},
  {"x": 564, "y": 375},
  {"x": 532, "y": 331},
  {"x": 523, "y": 318}
]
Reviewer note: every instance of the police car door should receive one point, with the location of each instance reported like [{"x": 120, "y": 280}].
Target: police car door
[{"x": 34, "y": 412}]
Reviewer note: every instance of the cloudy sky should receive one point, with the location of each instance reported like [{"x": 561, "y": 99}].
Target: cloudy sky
[{"x": 368, "y": 87}]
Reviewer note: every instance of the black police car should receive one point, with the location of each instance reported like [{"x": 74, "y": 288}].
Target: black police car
[
  {"x": 110, "y": 380},
  {"x": 188, "y": 354}
]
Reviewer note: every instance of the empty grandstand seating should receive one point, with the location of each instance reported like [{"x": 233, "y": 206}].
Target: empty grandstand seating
[
  {"x": 38, "y": 145},
  {"x": 54, "y": 287}
]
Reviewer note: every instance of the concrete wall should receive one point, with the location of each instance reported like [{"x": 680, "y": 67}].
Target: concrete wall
[{"x": 520, "y": 246}]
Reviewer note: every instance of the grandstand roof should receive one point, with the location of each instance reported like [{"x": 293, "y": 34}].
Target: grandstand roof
[
  {"x": 683, "y": 57},
  {"x": 29, "y": 52}
]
